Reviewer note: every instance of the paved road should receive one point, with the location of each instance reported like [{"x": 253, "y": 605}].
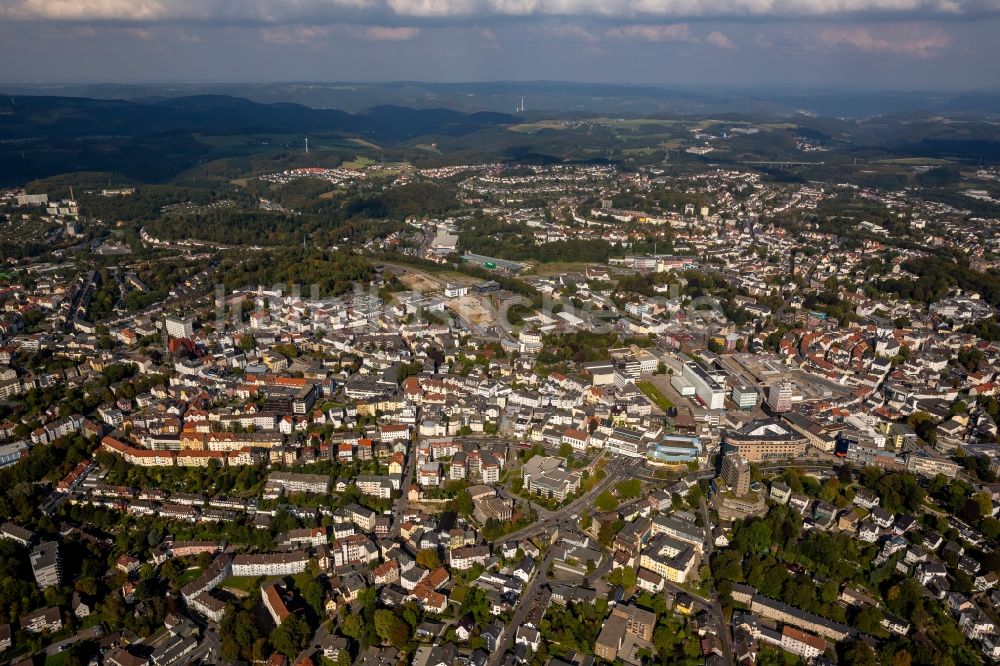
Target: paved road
[
  {"x": 524, "y": 605},
  {"x": 399, "y": 506},
  {"x": 318, "y": 638},
  {"x": 208, "y": 651},
  {"x": 91, "y": 633},
  {"x": 615, "y": 469},
  {"x": 716, "y": 607}
]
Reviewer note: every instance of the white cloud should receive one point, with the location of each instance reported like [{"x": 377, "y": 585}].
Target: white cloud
[
  {"x": 908, "y": 39},
  {"x": 719, "y": 40},
  {"x": 676, "y": 32},
  {"x": 86, "y": 10},
  {"x": 298, "y": 35},
  {"x": 489, "y": 39},
  {"x": 574, "y": 31},
  {"x": 383, "y": 33},
  {"x": 382, "y": 11},
  {"x": 434, "y": 8},
  {"x": 905, "y": 40}
]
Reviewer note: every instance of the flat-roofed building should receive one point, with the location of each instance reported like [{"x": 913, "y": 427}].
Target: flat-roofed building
[
  {"x": 744, "y": 396},
  {"x": 765, "y": 440},
  {"x": 779, "y": 396},
  {"x": 46, "y": 564},
  {"x": 270, "y": 564},
  {"x": 707, "y": 390},
  {"x": 736, "y": 473}
]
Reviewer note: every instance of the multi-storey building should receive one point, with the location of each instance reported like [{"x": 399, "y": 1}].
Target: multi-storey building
[{"x": 46, "y": 564}]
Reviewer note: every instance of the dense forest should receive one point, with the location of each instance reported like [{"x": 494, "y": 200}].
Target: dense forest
[
  {"x": 333, "y": 272},
  {"x": 936, "y": 275},
  {"x": 494, "y": 238}
]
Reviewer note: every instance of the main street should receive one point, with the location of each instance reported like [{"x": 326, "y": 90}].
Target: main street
[
  {"x": 399, "y": 506},
  {"x": 716, "y": 607},
  {"x": 524, "y": 605},
  {"x": 616, "y": 469}
]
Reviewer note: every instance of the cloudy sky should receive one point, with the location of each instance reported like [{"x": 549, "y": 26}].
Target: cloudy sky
[{"x": 890, "y": 44}]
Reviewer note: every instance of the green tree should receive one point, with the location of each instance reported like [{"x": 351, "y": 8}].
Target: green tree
[
  {"x": 623, "y": 577},
  {"x": 290, "y": 637},
  {"x": 857, "y": 653},
  {"x": 606, "y": 501},
  {"x": 868, "y": 619},
  {"x": 759, "y": 536},
  {"x": 428, "y": 558},
  {"x": 629, "y": 489},
  {"x": 351, "y": 627},
  {"x": 391, "y": 629},
  {"x": 462, "y": 504}
]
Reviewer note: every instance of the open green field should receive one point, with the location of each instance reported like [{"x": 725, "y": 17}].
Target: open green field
[
  {"x": 243, "y": 583},
  {"x": 359, "y": 162},
  {"x": 655, "y": 395},
  {"x": 559, "y": 267},
  {"x": 531, "y": 128},
  {"x": 362, "y": 143},
  {"x": 190, "y": 575},
  {"x": 58, "y": 659},
  {"x": 914, "y": 161},
  {"x": 622, "y": 123}
]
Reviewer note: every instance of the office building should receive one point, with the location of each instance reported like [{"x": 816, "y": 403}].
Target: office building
[
  {"x": 736, "y": 473},
  {"x": 762, "y": 441},
  {"x": 707, "y": 390},
  {"x": 744, "y": 396},
  {"x": 779, "y": 397}
]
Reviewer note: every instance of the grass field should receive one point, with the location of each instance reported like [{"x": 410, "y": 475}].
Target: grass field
[
  {"x": 58, "y": 659},
  {"x": 190, "y": 575},
  {"x": 243, "y": 583},
  {"x": 623, "y": 123},
  {"x": 364, "y": 144},
  {"x": 655, "y": 395},
  {"x": 559, "y": 267},
  {"x": 530, "y": 128},
  {"x": 359, "y": 162},
  {"x": 914, "y": 161}
]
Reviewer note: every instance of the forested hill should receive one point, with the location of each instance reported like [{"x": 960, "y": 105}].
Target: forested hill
[{"x": 36, "y": 117}]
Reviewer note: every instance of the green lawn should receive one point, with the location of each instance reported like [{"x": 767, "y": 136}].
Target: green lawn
[
  {"x": 245, "y": 583},
  {"x": 58, "y": 659},
  {"x": 655, "y": 395},
  {"x": 190, "y": 575},
  {"x": 560, "y": 267}
]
